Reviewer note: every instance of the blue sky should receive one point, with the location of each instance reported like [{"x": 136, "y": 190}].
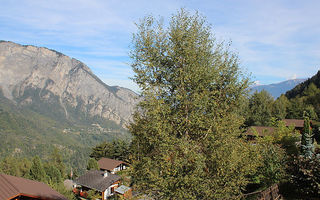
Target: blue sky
[{"x": 276, "y": 40}]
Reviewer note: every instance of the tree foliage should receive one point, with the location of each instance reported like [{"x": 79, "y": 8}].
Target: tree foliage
[
  {"x": 37, "y": 171},
  {"x": 186, "y": 134},
  {"x": 306, "y": 94},
  {"x": 117, "y": 149},
  {"x": 305, "y": 176},
  {"x": 260, "y": 109},
  {"x": 307, "y": 148},
  {"x": 92, "y": 164}
]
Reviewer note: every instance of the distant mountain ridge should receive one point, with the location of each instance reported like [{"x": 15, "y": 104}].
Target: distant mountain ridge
[
  {"x": 276, "y": 89},
  {"x": 30, "y": 74}
]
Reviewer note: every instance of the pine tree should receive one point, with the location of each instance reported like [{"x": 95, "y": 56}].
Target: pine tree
[
  {"x": 92, "y": 164},
  {"x": 307, "y": 148},
  {"x": 57, "y": 161},
  {"x": 186, "y": 133},
  {"x": 37, "y": 171}
]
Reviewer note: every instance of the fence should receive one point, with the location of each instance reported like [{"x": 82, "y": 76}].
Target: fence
[{"x": 271, "y": 193}]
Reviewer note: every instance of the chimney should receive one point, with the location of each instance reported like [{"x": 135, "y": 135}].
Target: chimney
[{"x": 105, "y": 174}]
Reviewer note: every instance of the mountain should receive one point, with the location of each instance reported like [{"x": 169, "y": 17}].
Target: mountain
[
  {"x": 277, "y": 89},
  {"x": 48, "y": 99},
  {"x": 306, "y": 97},
  {"x": 300, "y": 88},
  {"x": 32, "y": 77}
]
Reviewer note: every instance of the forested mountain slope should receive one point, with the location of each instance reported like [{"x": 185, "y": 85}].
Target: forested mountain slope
[
  {"x": 299, "y": 89},
  {"x": 306, "y": 97}
]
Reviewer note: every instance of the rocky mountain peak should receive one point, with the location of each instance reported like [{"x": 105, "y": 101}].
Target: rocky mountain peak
[{"x": 32, "y": 75}]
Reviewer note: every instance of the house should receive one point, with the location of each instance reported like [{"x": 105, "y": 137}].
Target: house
[
  {"x": 101, "y": 181},
  {"x": 261, "y": 131},
  {"x": 297, "y": 123},
  {"x": 111, "y": 165},
  {"x": 124, "y": 192},
  {"x": 17, "y": 188}
]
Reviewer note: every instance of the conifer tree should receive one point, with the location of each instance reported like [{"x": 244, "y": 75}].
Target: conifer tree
[
  {"x": 307, "y": 147},
  {"x": 37, "y": 171},
  {"x": 92, "y": 164},
  {"x": 186, "y": 133}
]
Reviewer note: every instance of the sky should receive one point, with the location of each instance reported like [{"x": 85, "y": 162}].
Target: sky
[{"x": 276, "y": 40}]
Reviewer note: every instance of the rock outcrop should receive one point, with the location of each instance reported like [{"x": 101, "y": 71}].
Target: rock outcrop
[{"x": 31, "y": 75}]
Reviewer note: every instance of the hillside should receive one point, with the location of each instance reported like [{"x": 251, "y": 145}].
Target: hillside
[
  {"x": 276, "y": 89},
  {"x": 298, "y": 90},
  {"x": 306, "y": 97},
  {"x": 48, "y": 100}
]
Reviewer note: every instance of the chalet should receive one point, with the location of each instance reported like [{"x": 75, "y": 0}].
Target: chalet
[
  {"x": 16, "y": 188},
  {"x": 261, "y": 131},
  {"x": 102, "y": 182},
  {"x": 111, "y": 165},
  {"x": 297, "y": 123}
]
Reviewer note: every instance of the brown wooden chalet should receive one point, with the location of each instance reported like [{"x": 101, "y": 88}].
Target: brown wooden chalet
[
  {"x": 297, "y": 123},
  {"x": 258, "y": 131},
  {"x": 111, "y": 165},
  {"x": 16, "y": 188},
  {"x": 102, "y": 182}
]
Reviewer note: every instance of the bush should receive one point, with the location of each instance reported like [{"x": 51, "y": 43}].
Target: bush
[{"x": 305, "y": 175}]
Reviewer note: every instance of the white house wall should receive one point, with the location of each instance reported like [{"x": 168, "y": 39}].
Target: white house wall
[{"x": 107, "y": 192}]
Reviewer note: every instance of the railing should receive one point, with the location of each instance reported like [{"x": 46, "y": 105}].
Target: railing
[{"x": 271, "y": 193}]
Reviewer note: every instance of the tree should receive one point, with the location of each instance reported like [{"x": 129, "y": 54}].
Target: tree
[
  {"x": 307, "y": 148},
  {"x": 186, "y": 141},
  {"x": 53, "y": 173},
  {"x": 260, "y": 109},
  {"x": 117, "y": 149},
  {"x": 37, "y": 171},
  {"x": 57, "y": 161},
  {"x": 92, "y": 164},
  {"x": 279, "y": 107},
  {"x": 295, "y": 109}
]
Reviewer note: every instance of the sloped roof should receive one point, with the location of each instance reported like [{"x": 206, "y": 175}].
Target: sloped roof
[
  {"x": 12, "y": 186},
  {"x": 261, "y": 130},
  {"x": 295, "y": 122},
  {"x": 122, "y": 189},
  {"x": 109, "y": 164},
  {"x": 94, "y": 179}
]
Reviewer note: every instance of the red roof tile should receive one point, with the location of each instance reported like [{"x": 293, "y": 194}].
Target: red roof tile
[{"x": 12, "y": 186}]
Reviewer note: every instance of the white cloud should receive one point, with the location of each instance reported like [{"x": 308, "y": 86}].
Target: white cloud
[
  {"x": 274, "y": 38},
  {"x": 294, "y": 76}
]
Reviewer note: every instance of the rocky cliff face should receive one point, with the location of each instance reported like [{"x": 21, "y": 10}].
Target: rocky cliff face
[{"x": 32, "y": 76}]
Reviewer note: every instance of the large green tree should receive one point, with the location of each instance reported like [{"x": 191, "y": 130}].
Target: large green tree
[
  {"x": 117, "y": 149},
  {"x": 37, "y": 171},
  {"x": 260, "y": 109},
  {"x": 186, "y": 132}
]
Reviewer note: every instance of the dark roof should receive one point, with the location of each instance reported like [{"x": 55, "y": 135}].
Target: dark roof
[
  {"x": 94, "y": 179},
  {"x": 295, "y": 122},
  {"x": 12, "y": 186},
  {"x": 261, "y": 130},
  {"x": 109, "y": 164}
]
